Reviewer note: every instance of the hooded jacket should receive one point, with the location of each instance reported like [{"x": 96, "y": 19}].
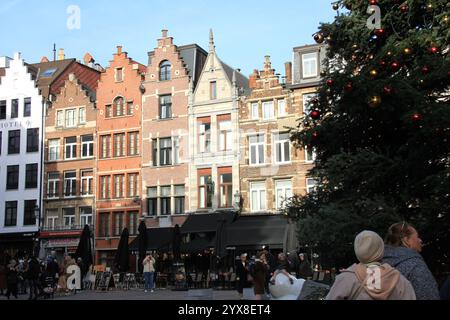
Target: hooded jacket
[
  {"x": 411, "y": 265},
  {"x": 352, "y": 284}
]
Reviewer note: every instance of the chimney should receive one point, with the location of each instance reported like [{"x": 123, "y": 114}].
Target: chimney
[
  {"x": 17, "y": 56},
  {"x": 61, "y": 55},
  {"x": 87, "y": 59},
  {"x": 44, "y": 60},
  {"x": 71, "y": 77},
  {"x": 164, "y": 33},
  {"x": 267, "y": 63},
  {"x": 119, "y": 50},
  {"x": 252, "y": 79},
  {"x": 288, "y": 67}
]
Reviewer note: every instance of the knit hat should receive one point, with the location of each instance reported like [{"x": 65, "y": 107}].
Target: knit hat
[{"x": 369, "y": 247}]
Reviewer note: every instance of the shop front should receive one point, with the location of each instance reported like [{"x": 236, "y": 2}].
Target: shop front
[{"x": 17, "y": 245}]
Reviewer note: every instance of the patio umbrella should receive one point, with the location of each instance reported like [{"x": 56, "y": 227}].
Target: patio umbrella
[
  {"x": 176, "y": 243},
  {"x": 84, "y": 250},
  {"x": 122, "y": 259},
  {"x": 220, "y": 247},
  {"x": 142, "y": 243}
]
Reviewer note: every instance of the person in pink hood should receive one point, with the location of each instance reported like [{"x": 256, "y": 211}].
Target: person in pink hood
[{"x": 370, "y": 280}]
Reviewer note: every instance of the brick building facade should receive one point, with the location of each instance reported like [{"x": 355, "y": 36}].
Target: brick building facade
[{"x": 118, "y": 203}]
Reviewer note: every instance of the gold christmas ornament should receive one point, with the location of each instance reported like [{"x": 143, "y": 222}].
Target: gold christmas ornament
[
  {"x": 407, "y": 51},
  {"x": 375, "y": 101},
  {"x": 373, "y": 72}
]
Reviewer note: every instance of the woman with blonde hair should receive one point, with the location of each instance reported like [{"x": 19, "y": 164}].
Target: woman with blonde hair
[{"x": 403, "y": 247}]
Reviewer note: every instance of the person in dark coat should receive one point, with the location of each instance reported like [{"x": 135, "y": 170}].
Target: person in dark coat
[
  {"x": 34, "y": 271},
  {"x": 402, "y": 251},
  {"x": 242, "y": 274},
  {"x": 11, "y": 279},
  {"x": 3, "y": 284},
  {"x": 304, "y": 267},
  {"x": 261, "y": 270}
]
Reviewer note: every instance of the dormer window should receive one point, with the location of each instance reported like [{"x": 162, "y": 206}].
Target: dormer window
[
  {"x": 165, "y": 71},
  {"x": 309, "y": 65}
]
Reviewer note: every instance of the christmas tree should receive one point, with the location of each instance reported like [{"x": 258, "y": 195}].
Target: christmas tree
[{"x": 380, "y": 127}]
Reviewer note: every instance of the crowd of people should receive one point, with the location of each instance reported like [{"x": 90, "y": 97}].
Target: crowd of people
[
  {"x": 392, "y": 269},
  {"x": 34, "y": 277}
]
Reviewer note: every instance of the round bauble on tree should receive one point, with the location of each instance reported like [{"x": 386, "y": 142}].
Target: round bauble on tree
[
  {"x": 425, "y": 70},
  {"x": 382, "y": 63},
  {"x": 348, "y": 87},
  {"x": 315, "y": 114},
  {"x": 374, "y": 101},
  {"x": 335, "y": 6},
  {"x": 388, "y": 90},
  {"x": 433, "y": 50},
  {"x": 348, "y": 5},
  {"x": 330, "y": 82},
  {"x": 407, "y": 51},
  {"x": 373, "y": 73},
  {"x": 404, "y": 8},
  {"x": 318, "y": 37},
  {"x": 373, "y": 2},
  {"x": 416, "y": 117},
  {"x": 315, "y": 135},
  {"x": 380, "y": 32},
  {"x": 395, "y": 66}
]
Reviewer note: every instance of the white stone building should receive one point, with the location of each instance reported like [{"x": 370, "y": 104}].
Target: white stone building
[{"x": 21, "y": 135}]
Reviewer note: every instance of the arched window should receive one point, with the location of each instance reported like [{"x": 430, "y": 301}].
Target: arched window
[
  {"x": 119, "y": 107},
  {"x": 165, "y": 71}
]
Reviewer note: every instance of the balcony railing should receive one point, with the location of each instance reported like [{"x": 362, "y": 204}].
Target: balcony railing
[{"x": 66, "y": 228}]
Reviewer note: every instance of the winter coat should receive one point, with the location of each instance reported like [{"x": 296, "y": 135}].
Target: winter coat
[
  {"x": 11, "y": 275},
  {"x": 411, "y": 264},
  {"x": 351, "y": 284},
  {"x": 304, "y": 270},
  {"x": 34, "y": 269},
  {"x": 445, "y": 290},
  {"x": 259, "y": 280}
]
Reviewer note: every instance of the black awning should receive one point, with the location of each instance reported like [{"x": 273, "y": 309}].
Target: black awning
[
  {"x": 198, "y": 245},
  {"x": 256, "y": 231},
  {"x": 198, "y": 223},
  {"x": 157, "y": 238}
]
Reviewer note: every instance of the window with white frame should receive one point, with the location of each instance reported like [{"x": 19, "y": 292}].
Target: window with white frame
[
  {"x": 256, "y": 144},
  {"x": 53, "y": 185},
  {"x": 51, "y": 220},
  {"x": 152, "y": 195},
  {"x": 307, "y": 99},
  {"x": 282, "y": 112},
  {"x": 82, "y": 115},
  {"x": 310, "y": 155},
  {"x": 87, "y": 182},
  {"x": 87, "y": 146},
  {"x": 60, "y": 118},
  {"x": 70, "y": 184},
  {"x": 165, "y": 152},
  {"x": 85, "y": 216},
  {"x": 176, "y": 150},
  {"x": 268, "y": 110},
  {"x": 204, "y": 137},
  {"x": 69, "y": 217},
  {"x": 71, "y": 118},
  {"x": 282, "y": 148},
  {"x": 309, "y": 65},
  {"x": 283, "y": 191},
  {"x": 179, "y": 199},
  {"x": 311, "y": 185},
  {"x": 133, "y": 185},
  {"x": 257, "y": 196},
  {"x": 53, "y": 150},
  {"x": 225, "y": 136},
  {"x": 119, "y": 186},
  {"x": 165, "y": 201},
  {"x": 71, "y": 148},
  {"x": 255, "y": 110}
]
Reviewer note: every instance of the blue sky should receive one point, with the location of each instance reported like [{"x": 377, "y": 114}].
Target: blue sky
[{"x": 245, "y": 31}]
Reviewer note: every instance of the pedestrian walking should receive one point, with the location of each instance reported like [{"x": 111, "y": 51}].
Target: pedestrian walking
[
  {"x": 403, "y": 247},
  {"x": 149, "y": 272},
  {"x": 370, "y": 280},
  {"x": 33, "y": 274},
  {"x": 261, "y": 269},
  {"x": 11, "y": 279},
  {"x": 242, "y": 270}
]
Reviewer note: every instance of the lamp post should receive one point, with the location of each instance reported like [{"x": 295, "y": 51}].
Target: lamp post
[
  {"x": 37, "y": 216},
  {"x": 237, "y": 201}
]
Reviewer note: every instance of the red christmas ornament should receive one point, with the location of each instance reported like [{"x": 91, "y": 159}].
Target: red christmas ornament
[
  {"x": 383, "y": 63},
  {"x": 416, "y": 117},
  {"x": 388, "y": 90},
  {"x": 348, "y": 6},
  {"x": 315, "y": 114},
  {"x": 348, "y": 87},
  {"x": 404, "y": 8},
  {"x": 330, "y": 82},
  {"x": 373, "y": 2},
  {"x": 425, "y": 70},
  {"x": 315, "y": 135},
  {"x": 318, "y": 38},
  {"x": 433, "y": 50},
  {"x": 380, "y": 32},
  {"x": 395, "y": 66}
]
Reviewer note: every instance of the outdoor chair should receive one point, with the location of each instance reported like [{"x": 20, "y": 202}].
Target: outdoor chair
[
  {"x": 140, "y": 283},
  {"x": 212, "y": 283},
  {"x": 199, "y": 280},
  {"x": 232, "y": 281},
  {"x": 117, "y": 283},
  {"x": 191, "y": 280},
  {"x": 162, "y": 278}
]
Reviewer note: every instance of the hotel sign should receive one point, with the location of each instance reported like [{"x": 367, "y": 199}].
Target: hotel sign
[{"x": 16, "y": 124}]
